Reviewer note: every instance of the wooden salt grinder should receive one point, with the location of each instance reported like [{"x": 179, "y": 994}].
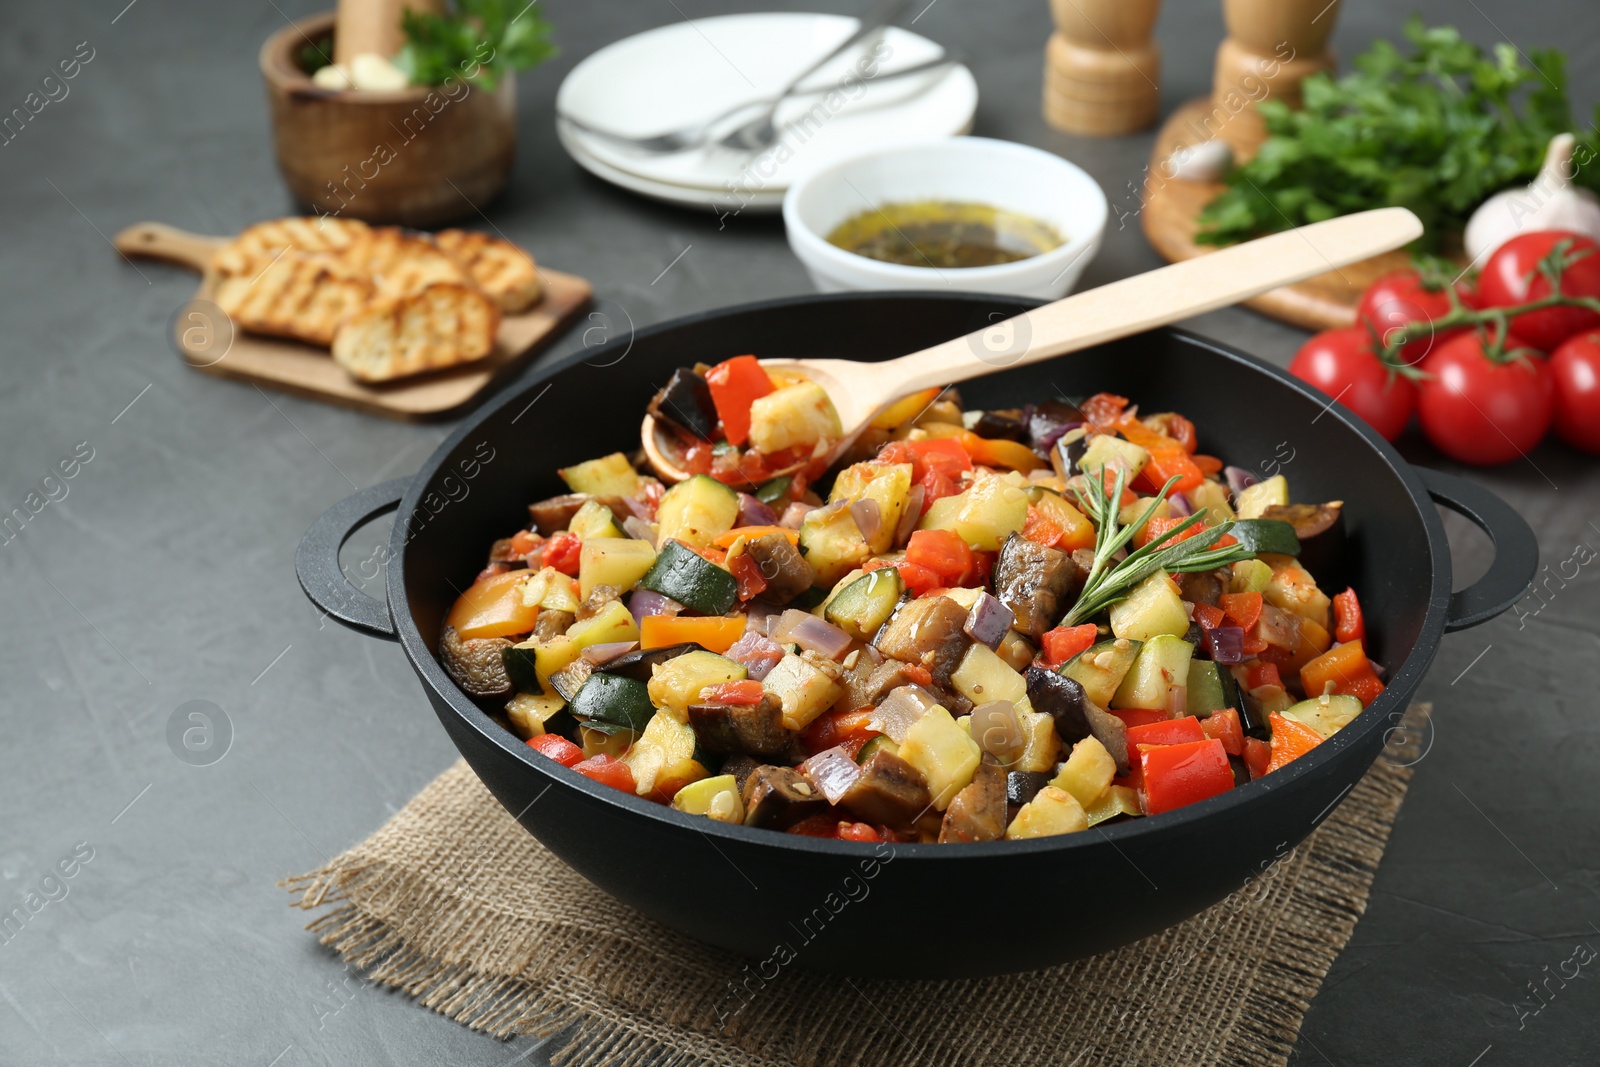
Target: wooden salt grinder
[
  {"x": 1102, "y": 70},
  {"x": 1272, "y": 46}
]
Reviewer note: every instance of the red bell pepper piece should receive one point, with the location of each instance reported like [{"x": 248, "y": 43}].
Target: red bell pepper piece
[
  {"x": 1257, "y": 756},
  {"x": 943, "y": 553},
  {"x": 608, "y": 770},
  {"x": 525, "y": 541},
  {"x": 1208, "y": 616},
  {"x": 736, "y": 384},
  {"x": 1208, "y": 464},
  {"x": 1064, "y": 642},
  {"x": 1348, "y": 622},
  {"x": 557, "y": 748},
  {"x": 1243, "y": 608},
  {"x": 1290, "y": 741},
  {"x": 1342, "y": 669},
  {"x": 744, "y": 693},
  {"x": 1167, "y": 732},
  {"x": 1177, "y": 775},
  {"x": 562, "y": 552},
  {"x": 1158, "y": 528},
  {"x": 1132, "y": 717}
]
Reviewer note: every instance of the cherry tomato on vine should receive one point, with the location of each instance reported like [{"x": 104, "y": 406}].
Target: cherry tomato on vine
[
  {"x": 1511, "y": 276},
  {"x": 1575, "y": 366},
  {"x": 1483, "y": 412},
  {"x": 1342, "y": 364},
  {"x": 1400, "y": 298}
]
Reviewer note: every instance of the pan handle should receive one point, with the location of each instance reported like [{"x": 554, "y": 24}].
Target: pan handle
[
  {"x": 316, "y": 561},
  {"x": 1516, "y": 550}
]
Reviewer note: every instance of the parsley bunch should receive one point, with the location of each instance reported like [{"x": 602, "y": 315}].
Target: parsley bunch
[
  {"x": 1436, "y": 131},
  {"x": 477, "y": 40}
]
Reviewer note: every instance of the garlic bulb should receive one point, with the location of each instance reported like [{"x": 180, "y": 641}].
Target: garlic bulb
[
  {"x": 1549, "y": 203},
  {"x": 1207, "y": 161}
]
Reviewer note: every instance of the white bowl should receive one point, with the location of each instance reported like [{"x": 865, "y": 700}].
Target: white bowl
[{"x": 1001, "y": 174}]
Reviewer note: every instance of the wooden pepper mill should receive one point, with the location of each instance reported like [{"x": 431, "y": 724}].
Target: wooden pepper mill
[
  {"x": 373, "y": 26},
  {"x": 1271, "y": 48},
  {"x": 1102, "y": 71}
]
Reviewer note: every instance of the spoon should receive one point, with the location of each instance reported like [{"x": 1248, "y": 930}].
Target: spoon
[{"x": 1122, "y": 308}]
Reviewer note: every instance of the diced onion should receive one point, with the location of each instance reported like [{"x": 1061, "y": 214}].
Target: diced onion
[
  {"x": 605, "y": 653},
  {"x": 1239, "y": 479},
  {"x": 1279, "y": 628},
  {"x": 1225, "y": 644},
  {"x": 902, "y": 707},
  {"x": 868, "y": 516},
  {"x": 648, "y": 602},
  {"x": 794, "y": 514},
  {"x": 639, "y": 529},
  {"x": 806, "y": 630},
  {"x": 833, "y": 772},
  {"x": 910, "y": 516},
  {"x": 1177, "y": 701},
  {"x": 753, "y": 512},
  {"x": 1180, "y": 505},
  {"x": 756, "y": 653}
]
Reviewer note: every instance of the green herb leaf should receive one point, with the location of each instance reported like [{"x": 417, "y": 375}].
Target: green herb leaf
[
  {"x": 1437, "y": 131},
  {"x": 478, "y": 41}
]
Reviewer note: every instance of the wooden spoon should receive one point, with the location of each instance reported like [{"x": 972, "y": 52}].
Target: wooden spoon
[{"x": 1123, "y": 308}]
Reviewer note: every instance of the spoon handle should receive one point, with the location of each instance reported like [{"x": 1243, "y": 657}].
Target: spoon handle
[{"x": 1157, "y": 298}]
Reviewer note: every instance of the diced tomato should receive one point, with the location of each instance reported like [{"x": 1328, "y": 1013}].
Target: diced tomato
[
  {"x": 1132, "y": 717},
  {"x": 1348, "y": 622},
  {"x": 1257, "y": 756},
  {"x": 697, "y": 459},
  {"x": 835, "y": 728},
  {"x": 1243, "y": 608},
  {"x": 557, "y": 748},
  {"x": 942, "y": 454},
  {"x": 822, "y": 824},
  {"x": 1342, "y": 669},
  {"x": 1042, "y": 530},
  {"x": 1253, "y": 645},
  {"x": 746, "y": 692},
  {"x": 1290, "y": 741},
  {"x": 607, "y": 770},
  {"x": 735, "y": 384},
  {"x": 1278, "y": 657},
  {"x": 917, "y": 673},
  {"x": 1167, "y": 732},
  {"x": 1158, "y": 528},
  {"x": 942, "y": 552},
  {"x": 935, "y": 486},
  {"x": 747, "y": 572},
  {"x": 920, "y": 580},
  {"x": 1064, "y": 642},
  {"x": 1260, "y": 674},
  {"x": 1208, "y": 464},
  {"x": 1182, "y": 431},
  {"x": 562, "y": 553},
  {"x": 1168, "y": 458},
  {"x": 1177, "y": 775},
  {"x": 857, "y": 831},
  {"x": 1225, "y": 727},
  {"x": 525, "y": 541},
  {"x": 1108, "y": 478},
  {"x": 1208, "y": 616},
  {"x": 1103, "y": 409}
]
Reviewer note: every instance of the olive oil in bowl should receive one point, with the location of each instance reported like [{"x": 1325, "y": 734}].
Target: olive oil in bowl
[{"x": 944, "y": 234}]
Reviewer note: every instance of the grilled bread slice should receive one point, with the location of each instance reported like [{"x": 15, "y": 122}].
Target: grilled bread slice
[
  {"x": 500, "y": 268},
  {"x": 303, "y": 295},
  {"x": 259, "y": 244},
  {"x": 442, "y": 325},
  {"x": 401, "y": 262}
]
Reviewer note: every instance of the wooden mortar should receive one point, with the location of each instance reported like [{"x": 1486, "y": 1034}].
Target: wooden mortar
[{"x": 421, "y": 156}]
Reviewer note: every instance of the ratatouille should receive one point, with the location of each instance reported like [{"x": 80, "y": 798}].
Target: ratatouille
[{"x": 978, "y": 625}]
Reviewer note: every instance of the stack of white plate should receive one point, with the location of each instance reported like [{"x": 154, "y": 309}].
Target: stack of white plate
[{"x": 677, "y": 75}]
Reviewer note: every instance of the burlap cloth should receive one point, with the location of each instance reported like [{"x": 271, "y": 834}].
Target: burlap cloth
[{"x": 455, "y": 904}]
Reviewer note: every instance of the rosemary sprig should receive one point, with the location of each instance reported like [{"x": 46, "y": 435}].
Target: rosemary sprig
[{"x": 1110, "y": 581}]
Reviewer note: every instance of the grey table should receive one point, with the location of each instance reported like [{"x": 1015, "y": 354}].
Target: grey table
[{"x": 164, "y": 575}]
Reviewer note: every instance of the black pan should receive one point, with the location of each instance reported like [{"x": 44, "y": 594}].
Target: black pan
[{"x": 919, "y": 911}]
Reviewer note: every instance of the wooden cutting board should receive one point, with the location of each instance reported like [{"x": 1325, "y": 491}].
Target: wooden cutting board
[
  {"x": 207, "y": 341},
  {"x": 1325, "y": 302}
]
